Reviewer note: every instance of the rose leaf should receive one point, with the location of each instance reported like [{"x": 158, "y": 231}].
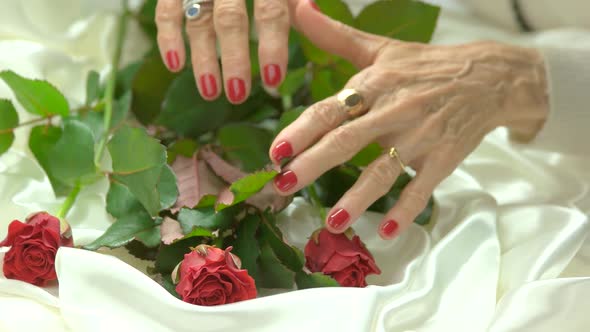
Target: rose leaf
[
  {"x": 205, "y": 218},
  {"x": 366, "y": 155},
  {"x": 289, "y": 256},
  {"x": 92, "y": 87},
  {"x": 246, "y": 144},
  {"x": 8, "y": 121},
  {"x": 141, "y": 174},
  {"x": 289, "y": 117},
  {"x": 170, "y": 255},
  {"x": 247, "y": 187},
  {"x": 246, "y": 246},
  {"x": 272, "y": 273},
  {"x": 124, "y": 230},
  {"x": 150, "y": 85},
  {"x": 41, "y": 141},
  {"x": 36, "y": 96},
  {"x": 167, "y": 188},
  {"x": 314, "y": 280}
]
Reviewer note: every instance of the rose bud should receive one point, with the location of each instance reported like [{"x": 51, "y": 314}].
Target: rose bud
[
  {"x": 34, "y": 245},
  {"x": 210, "y": 276},
  {"x": 344, "y": 258}
]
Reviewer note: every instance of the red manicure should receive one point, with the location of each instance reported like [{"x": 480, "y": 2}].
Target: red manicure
[
  {"x": 389, "y": 228},
  {"x": 286, "y": 181},
  {"x": 272, "y": 75},
  {"x": 173, "y": 60},
  {"x": 282, "y": 151},
  {"x": 208, "y": 86},
  {"x": 314, "y": 5},
  {"x": 338, "y": 219},
  {"x": 236, "y": 90}
]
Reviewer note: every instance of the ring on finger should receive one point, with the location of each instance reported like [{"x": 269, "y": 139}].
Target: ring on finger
[
  {"x": 353, "y": 102},
  {"x": 194, "y": 8},
  {"x": 394, "y": 154}
]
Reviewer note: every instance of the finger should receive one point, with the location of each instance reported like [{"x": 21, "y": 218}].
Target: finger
[
  {"x": 232, "y": 28},
  {"x": 318, "y": 120},
  {"x": 413, "y": 199},
  {"x": 201, "y": 35},
  {"x": 375, "y": 181},
  {"x": 169, "y": 18},
  {"x": 337, "y": 147},
  {"x": 358, "y": 47},
  {"x": 272, "y": 26}
]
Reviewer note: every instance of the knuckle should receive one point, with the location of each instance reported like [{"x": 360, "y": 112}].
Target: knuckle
[
  {"x": 416, "y": 200},
  {"x": 230, "y": 17},
  {"x": 325, "y": 115},
  {"x": 167, "y": 11},
  {"x": 271, "y": 11},
  {"x": 201, "y": 25},
  {"x": 345, "y": 141},
  {"x": 383, "y": 174}
]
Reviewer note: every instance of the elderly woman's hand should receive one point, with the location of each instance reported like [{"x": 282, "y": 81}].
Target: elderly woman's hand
[
  {"x": 226, "y": 21},
  {"x": 434, "y": 104}
]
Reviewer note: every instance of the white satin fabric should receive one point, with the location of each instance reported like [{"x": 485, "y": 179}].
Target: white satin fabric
[{"x": 507, "y": 250}]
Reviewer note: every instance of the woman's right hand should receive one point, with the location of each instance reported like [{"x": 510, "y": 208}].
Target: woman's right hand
[{"x": 226, "y": 22}]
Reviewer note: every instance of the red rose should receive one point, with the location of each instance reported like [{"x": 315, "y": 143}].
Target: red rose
[
  {"x": 34, "y": 245},
  {"x": 346, "y": 260},
  {"x": 210, "y": 276}
]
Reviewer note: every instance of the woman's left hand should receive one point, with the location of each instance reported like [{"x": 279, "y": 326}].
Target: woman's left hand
[{"x": 434, "y": 104}]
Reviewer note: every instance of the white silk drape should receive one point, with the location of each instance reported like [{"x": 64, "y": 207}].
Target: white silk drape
[{"x": 507, "y": 250}]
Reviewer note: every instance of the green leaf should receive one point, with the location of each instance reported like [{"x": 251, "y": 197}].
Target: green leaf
[
  {"x": 289, "y": 117},
  {"x": 205, "y": 218},
  {"x": 151, "y": 238},
  {"x": 8, "y": 121},
  {"x": 246, "y": 144},
  {"x": 183, "y": 147},
  {"x": 92, "y": 87},
  {"x": 126, "y": 76},
  {"x": 264, "y": 113},
  {"x": 72, "y": 156},
  {"x": 169, "y": 256},
  {"x": 198, "y": 232},
  {"x": 314, "y": 280},
  {"x": 367, "y": 155},
  {"x": 41, "y": 142},
  {"x": 248, "y": 186},
  {"x": 407, "y": 20},
  {"x": 120, "y": 201},
  {"x": 294, "y": 80},
  {"x": 289, "y": 256},
  {"x": 150, "y": 85},
  {"x": 322, "y": 85},
  {"x": 140, "y": 173},
  {"x": 187, "y": 113},
  {"x": 36, "y": 96},
  {"x": 167, "y": 188},
  {"x": 168, "y": 285},
  {"x": 94, "y": 120},
  {"x": 123, "y": 231},
  {"x": 246, "y": 246},
  {"x": 272, "y": 274}
]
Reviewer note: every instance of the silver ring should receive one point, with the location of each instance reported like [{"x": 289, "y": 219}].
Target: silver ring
[{"x": 194, "y": 8}]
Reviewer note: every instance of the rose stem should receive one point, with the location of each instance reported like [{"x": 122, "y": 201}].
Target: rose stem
[
  {"x": 108, "y": 101},
  {"x": 111, "y": 83}
]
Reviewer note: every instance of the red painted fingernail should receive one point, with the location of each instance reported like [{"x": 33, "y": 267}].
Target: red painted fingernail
[
  {"x": 282, "y": 151},
  {"x": 173, "y": 60},
  {"x": 272, "y": 75},
  {"x": 389, "y": 228},
  {"x": 208, "y": 85},
  {"x": 314, "y": 5},
  {"x": 285, "y": 181},
  {"x": 236, "y": 89},
  {"x": 338, "y": 219}
]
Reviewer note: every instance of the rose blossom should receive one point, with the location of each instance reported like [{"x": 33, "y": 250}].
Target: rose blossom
[
  {"x": 34, "y": 245},
  {"x": 344, "y": 259},
  {"x": 210, "y": 276}
]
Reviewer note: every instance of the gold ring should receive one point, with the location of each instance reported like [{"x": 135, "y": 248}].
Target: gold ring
[
  {"x": 395, "y": 155},
  {"x": 352, "y": 101}
]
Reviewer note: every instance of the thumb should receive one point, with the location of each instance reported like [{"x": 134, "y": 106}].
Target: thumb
[{"x": 334, "y": 37}]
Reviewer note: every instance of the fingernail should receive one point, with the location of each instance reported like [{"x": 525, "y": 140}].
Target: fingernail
[
  {"x": 208, "y": 85},
  {"x": 314, "y": 5},
  {"x": 272, "y": 75},
  {"x": 236, "y": 90},
  {"x": 286, "y": 181},
  {"x": 389, "y": 228},
  {"x": 282, "y": 151},
  {"x": 338, "y": 219},
  {"x": 172, "y": 60}
]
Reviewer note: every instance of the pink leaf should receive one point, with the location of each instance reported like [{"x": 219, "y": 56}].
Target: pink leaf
[
  {"x": 170, "y": 231},
  {"x": 222, "y": 168}
]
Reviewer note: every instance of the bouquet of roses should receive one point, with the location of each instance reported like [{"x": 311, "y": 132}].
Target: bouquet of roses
[{"x": 189, "y": 179}]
